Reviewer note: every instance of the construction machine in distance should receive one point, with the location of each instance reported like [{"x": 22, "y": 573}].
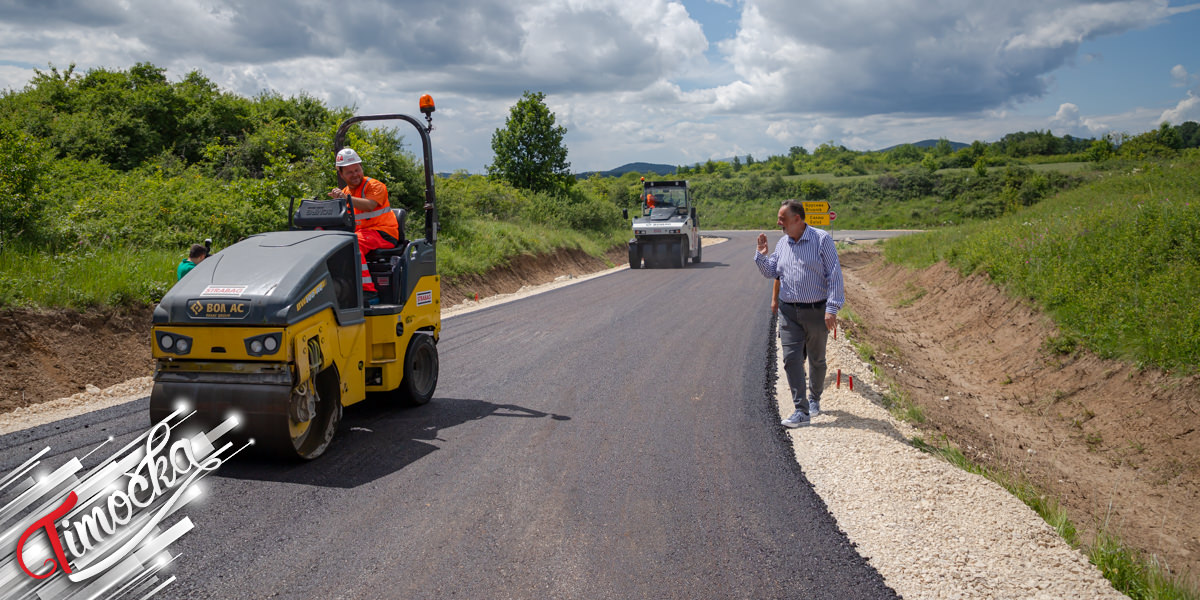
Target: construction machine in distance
[
  {"x": 273, "y": 329},
  {"x": 667, "y": 233}
]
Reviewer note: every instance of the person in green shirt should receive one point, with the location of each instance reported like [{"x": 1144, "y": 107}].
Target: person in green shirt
[{"x": 197, "y": 254}]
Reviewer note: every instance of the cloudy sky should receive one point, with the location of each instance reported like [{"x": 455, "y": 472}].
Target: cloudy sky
[{"x": 664, "y": 81}]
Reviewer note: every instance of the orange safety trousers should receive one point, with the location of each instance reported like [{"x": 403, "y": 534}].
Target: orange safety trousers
[{"x": 368, "y": 240}]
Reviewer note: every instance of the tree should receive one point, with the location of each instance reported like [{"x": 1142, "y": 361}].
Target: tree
[
  {"x": 942, "y": 148},
  {"x": 1099, "y": 151},
  {"x": 1169, "y": 136},
  {"x": 929, "y": 162},
  {"x": 529, "y": 151},
  {"x": 1189, "y": 132}
]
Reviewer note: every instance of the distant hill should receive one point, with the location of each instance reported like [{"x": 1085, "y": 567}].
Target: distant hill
[
  {"x": 639, "y": 167},
  {"x": 956, "y": 146}
]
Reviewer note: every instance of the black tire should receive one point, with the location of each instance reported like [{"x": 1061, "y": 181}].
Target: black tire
[
  {"x": 420, "y": 371},
  {"x": 312, "y": 441},
  {"x": 635, "y": 256},
  {"x": 699, "y": 248},
  {"x": 679, "y": 252}
]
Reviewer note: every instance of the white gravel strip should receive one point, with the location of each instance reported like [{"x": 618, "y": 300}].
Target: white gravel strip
[
  {"x": 931, "y": 529},
  {"x": 93, "y": 398}
]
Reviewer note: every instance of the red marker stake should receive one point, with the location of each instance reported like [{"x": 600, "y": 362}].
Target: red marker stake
[
  {"x": 477, "y": 296},
  {"x": 839, "y": 380},
  {"x": 852, "y": 383}
]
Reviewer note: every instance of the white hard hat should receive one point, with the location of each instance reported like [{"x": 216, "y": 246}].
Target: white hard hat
[{"x": 347, "y": 157}]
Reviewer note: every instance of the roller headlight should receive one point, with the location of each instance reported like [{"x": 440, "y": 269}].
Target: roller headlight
[
  {"x": 173, "y": 343},
  {"x": 264, "y": 344}
]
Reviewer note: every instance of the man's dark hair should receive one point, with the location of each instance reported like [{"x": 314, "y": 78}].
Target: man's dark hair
[
  {"x": 197, "y": 251},
  {"x": 794, "y": 207}
]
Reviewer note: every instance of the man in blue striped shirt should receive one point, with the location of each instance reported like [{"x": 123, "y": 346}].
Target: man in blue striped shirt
[{"x": 810, "y": 295}]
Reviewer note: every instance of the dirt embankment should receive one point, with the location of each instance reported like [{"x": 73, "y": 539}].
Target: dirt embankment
[
  {"x": 1117, "y": 445},
  {"x": 51, "y": 354}
]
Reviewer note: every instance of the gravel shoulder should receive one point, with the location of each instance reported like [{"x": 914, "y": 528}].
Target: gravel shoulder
[{"x": 931, "y": 529}]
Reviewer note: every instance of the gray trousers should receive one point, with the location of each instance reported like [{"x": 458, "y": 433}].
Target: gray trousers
[{"x": 802, "y": 334}]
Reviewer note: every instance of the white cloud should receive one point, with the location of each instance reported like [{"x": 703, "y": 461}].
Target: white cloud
[
  {"x": 907, "y": 56},
  {"x": 1069, "y": 121},
  {"x": 1188, "y": 109},
  {"x": 1179, "y": 76}
]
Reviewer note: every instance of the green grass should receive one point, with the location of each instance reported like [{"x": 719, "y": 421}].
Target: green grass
[
  {"x": 92, "y": 278},
  {"x": 1129, "y": 571},
  {"x": 830, "y": 177},
  {"x": 493, "y": 244},
  {"x": 909, "y": 199},
  {"x": 1116, "y": 263}
]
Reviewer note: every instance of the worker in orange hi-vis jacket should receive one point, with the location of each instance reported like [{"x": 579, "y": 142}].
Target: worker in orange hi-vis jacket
[{"x": 374, "y": 223}]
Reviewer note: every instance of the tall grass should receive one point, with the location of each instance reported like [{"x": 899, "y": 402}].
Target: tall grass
[
  {"x": 1116, "y": 263},
  {"x": 91, "y": 278}
]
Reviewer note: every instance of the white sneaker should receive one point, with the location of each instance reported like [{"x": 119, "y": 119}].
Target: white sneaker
[{"x": 797, "y": 419}]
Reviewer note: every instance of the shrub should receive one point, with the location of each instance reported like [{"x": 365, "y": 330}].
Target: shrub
[{"x": 23, "y": 209}]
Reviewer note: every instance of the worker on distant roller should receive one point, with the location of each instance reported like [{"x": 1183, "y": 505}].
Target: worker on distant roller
[
  {"x": 650, "y": 200},
  {"x": 374, "y": 223}
]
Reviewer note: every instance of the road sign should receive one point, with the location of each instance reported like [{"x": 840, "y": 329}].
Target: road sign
[
  {"x": 832, "y": 215},
  {"x": 815, "y": 207},
  {"x": 817, "y": 219}
]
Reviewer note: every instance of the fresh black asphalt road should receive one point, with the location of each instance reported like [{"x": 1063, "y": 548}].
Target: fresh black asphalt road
[{"x": 610, "y": 439}]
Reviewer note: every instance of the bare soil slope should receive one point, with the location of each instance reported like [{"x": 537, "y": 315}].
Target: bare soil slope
[
  {"x": 1118, "y": 445},
  {"x": 49, "y": 354}
]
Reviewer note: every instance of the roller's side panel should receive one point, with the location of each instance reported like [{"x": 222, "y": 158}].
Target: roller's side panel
[
  {"x": 389, "y": 335},
  {"x": 423, "y": 308},
  {"x": 350, "y": 343}
]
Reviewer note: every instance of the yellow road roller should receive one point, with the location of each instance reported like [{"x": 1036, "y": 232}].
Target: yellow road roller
[{"x": 274, "y": 331}]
